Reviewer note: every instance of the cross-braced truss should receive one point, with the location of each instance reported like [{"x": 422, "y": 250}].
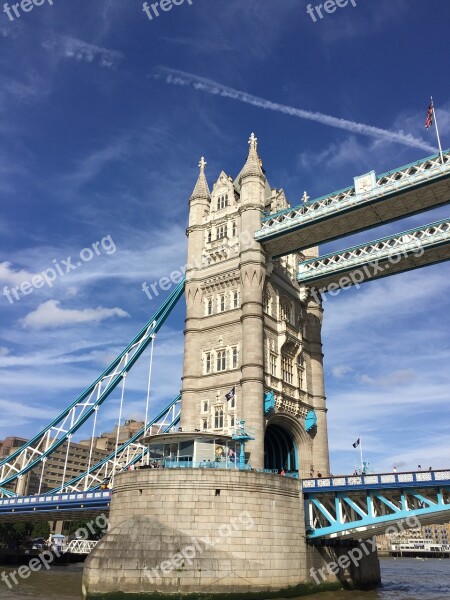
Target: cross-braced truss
[
  {"x": 405, "y": 176},
  {"x": 361, "y": 513},
  {"x": 381, "y": 257},
  {"x": 62, "y": 429},
  {"x": 130, "y": 453}
]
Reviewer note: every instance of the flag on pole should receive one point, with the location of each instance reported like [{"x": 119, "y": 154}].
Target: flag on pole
[
  {"x": 231, "y": 394},
  {"x": 357, "y": 443},
  {"x": 430, "y": 115}
]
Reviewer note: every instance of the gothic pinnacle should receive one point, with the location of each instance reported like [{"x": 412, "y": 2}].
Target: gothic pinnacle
[
  {"x": 201, "y": 189},
  {"x": 253, "y": 166}
]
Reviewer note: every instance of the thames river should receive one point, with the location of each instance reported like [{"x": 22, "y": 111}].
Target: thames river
[{"x": 403, "y": 579}]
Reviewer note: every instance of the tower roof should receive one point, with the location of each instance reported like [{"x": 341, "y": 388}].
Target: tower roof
[
  {"x": 253, "y": 164},
  {"x": 201, "y": 189}
]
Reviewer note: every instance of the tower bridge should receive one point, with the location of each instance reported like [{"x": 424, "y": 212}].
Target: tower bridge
[
  {"x": 252, "y": 403},
  {"x": 406, "y": 251},
  {"x": 372, "y": 200}
]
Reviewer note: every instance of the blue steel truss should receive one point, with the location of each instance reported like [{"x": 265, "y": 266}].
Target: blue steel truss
[
  {"x": 379, "y": 258},
  {"x": 280, "y": 232},
  {"x": 70, "y": 420},
  {"x": 129, "y": 453},
  {"x": 364, "y": 506},
  {"x": 60, "y": 506}
]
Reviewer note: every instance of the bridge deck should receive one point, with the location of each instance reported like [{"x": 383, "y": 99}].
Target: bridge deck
[
  {"x": 419, "y": 247},
  {"x": 391, "y": 196},
  {"x": 363, "y": 506},
  {"x": 63, "y": 507}
]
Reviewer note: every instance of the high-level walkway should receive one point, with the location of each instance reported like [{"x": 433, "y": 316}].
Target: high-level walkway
[
  {"x": 412, "y": 249},
  {"x": 372, "y": 201}
]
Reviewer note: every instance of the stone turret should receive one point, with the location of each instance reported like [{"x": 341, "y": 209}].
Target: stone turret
[{"x": 253, "y": 273}]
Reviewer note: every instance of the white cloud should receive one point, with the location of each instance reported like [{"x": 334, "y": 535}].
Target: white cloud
[
  {"x": 12, "y": 277},
  {"x": 70, "y": 47},
  {"x": 395, "y": 378},
  {"x": 50, "y": 315},
  {"x": 89, "y": 167},
  {"x": 340, "y": 370}
]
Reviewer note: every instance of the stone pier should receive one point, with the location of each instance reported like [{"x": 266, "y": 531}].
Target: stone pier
[{"x": 177, "y": 532}]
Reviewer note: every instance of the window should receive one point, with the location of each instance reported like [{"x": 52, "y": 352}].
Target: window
[
  {"x": 218, "y": 417},
  {"x": 235, "y": 299},
  {"x": 222, "y": 202},
  {"x": 221, "y": 360},
  {"x": 267, "y": 304},
  {"x": 204, "y": 424},
  {"x": 232, "y": 420},
  {"x": 233, "y": 402},
  {"x": 209, "y": 306},
  {"x": 285, "y": 310},
  {"x": 221, "y": 232},
  {"x": 287, "y": 370},
  {"x": 234, "y": 358},
  {"x": 273, "y": 364},
  {"x": 205, "y": 406},
  {"x": 208, "y": 362},
  {"x": 233, "y": 229},
  {"x": 221, "y": 306},
  {"x": 209, "y": 236}
]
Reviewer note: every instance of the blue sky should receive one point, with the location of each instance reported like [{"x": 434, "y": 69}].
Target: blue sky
[{"x": 101, "y": 136}]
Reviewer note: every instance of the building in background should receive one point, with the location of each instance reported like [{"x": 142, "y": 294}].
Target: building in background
[
  {"x": 438, "y": 534},
  {"x": 80, "y": 459}
]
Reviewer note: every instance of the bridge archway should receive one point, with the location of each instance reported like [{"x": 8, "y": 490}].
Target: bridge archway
[
  {"x": 280, "y": 449},
  {"x": 289, "y": 431}
]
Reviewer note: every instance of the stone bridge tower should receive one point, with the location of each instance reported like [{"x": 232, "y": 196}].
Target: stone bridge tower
[{"x": 249, "y": 330}]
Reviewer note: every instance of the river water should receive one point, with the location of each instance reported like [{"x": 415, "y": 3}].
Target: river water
[{"x": 403, "y": 579}]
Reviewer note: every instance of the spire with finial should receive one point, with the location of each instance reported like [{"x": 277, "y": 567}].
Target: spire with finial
[
  {"x": 253, "y": 164},
  {"x": 201, "y": 189}
]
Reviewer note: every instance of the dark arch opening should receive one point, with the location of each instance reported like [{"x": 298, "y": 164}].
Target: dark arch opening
[{"x": 280, "y": 451}]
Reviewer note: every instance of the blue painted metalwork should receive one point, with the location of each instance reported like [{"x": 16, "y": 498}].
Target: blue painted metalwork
[
  {"x": 280, "y": 232},
  {"x": 241, "y": 436},
  {"x": 86, "y": 501},
  {"x": 269, "y": 402},
  {"x": 350, "y": 188},
  {"x": 362, "y": 506},
  {"x": 310, "y": 420},
  {"x": 143, "y": 339},
  {"x": 403, "y": 244},
  {"x": 205, "y": 464},
  {"x": 121, "y": 449}
]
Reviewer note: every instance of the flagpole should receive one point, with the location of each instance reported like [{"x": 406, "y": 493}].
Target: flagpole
[
  {"x": 437, "y": 130},
  {"x": 361, "y": 448}
]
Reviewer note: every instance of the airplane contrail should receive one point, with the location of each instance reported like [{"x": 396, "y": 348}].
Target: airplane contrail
[{"x": 182, "y": 78}]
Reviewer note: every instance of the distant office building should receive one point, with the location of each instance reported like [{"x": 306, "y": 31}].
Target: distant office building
[
  {"x": 10, "y": 445},
  {"x": 107, "y": 441},
  {"x": 51, "y": 476},
  {"x": 438, "y": 534}
]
